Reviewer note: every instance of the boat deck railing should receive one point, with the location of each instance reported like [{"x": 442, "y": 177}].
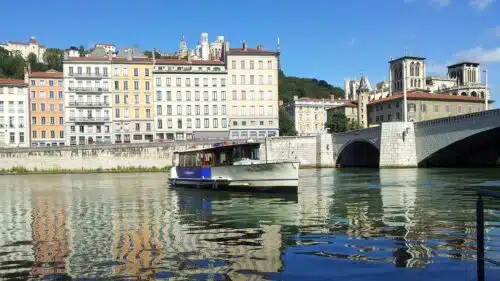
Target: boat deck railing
[{"x": 481, "y": 259}]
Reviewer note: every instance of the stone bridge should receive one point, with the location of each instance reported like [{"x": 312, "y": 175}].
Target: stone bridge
[{"x": 466, "y": 140}]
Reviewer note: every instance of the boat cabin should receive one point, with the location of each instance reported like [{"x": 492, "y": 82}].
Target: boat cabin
[{"x": 219, "y": 155}]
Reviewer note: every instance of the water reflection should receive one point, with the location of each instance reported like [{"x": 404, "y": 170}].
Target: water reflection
[{"x": 136, "y": 227}]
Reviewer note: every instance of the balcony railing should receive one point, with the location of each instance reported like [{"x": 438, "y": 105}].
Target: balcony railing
[
  {"x": 89, "y": 119},
  {"x": 88, "y": 104},
  {"x": 89, "y": 75},
  {"x": 87, "y": 90}
]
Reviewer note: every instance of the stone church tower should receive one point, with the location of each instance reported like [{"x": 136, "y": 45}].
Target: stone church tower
[{"x": 363, "y": 92}]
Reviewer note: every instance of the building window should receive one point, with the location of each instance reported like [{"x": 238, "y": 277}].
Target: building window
[
  {"x": 146, "y": 84},
  {"x": 179, "y": 96},
  {"x": 214, "y": 96},
  {"x": 242, "y": 80},
  {"x": 148, "y": 99},
  {"x": 206, "y": 110},
  {"x": 169, "y": 110},
  {"x": 448, "y": 108},
  {"x": 33, "y": 120},
  {"x": 160, "y": 124},
  {"x": 168, "y": 82},
  {"x": 205, "y": 82},
  {"x": 188, "y": 95},
  {"x": 189, "y": 124},
  {"x": 269, "y": 64},
  {"x": 148, "y": 113},
  {"x": 412, "y": 107},
  {"x": 197, "y": 95},
  {"x": 12, "y": 137},
  {"x": 223, "y": 82},
  {"x": 233, "y": 79},
  {"x": 61, "y": 134},
  {"x": 158, "y": 81},
  {"x": 233, "y": 64},
  {"x": 179, "y": 123},
  {"x": 52, "y": 120},
  {"x": 423, "y": 107},
  {"x": 216, "y": 123},
  {"x": 206, "y": 123},
  {"x": 214, "y": 82},
  {"x": 188, "y": 109},
  {"x": 436, "y": 108},
  {"x": 179, "y": 110},
  {"x": 196, "y": 82},
  {"x": 136, "y": 72},
  {"x": 169, "y": 123},
  {"x": 242, "y": 64},
  {"x": 158, "y": 110},
  {"x": 33, "y": 134},
  {"x": 61, "y": 120},
  {"x": 188, "y": 82},
  {"x": 137, "y": 127},
  {"x": 252, "y": 80},
  {"x": 215, "y": 110},
  {"x": 146, "y": 72},
  {"x": 43, "y": 120},
  {"x": 243, "y": 95},
  {"x": 198, "y": 123},
  {"x": 136, "y": 85},
  {"x": 205, "y": 95},
  {"x": 148, "y": 127},
  {"x": 44, "y": 134},
  {"x": 169, "y": 95},
  {"x": 197, "y": 109},
  {"x": 178, "y": 82}
]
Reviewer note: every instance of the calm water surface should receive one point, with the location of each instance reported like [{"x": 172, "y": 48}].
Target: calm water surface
[{"x": 344, "y": 225}]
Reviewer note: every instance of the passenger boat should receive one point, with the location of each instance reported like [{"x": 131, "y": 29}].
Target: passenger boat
[{"x": 233, "y": 167}]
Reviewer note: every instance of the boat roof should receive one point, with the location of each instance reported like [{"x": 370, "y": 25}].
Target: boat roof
[{"x": 219, "y": 146}]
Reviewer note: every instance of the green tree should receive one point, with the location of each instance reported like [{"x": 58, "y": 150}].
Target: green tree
[
  {"x": 54, "y": 59},
  {"x": 11, "y": 65},
  {"x": 82, "y": 51},
  {"x": 339, "y": 123},
  {"x": 287, "y": 125},
  {"x": 32, "y": 60}
]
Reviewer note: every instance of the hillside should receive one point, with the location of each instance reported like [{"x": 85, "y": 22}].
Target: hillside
[{"x": 290, "y": 86}]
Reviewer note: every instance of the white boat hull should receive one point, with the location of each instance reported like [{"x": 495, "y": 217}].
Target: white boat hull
[{"x": 265, "y": 177}]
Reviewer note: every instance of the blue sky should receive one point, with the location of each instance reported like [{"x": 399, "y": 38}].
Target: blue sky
[{"x": 326, "y": 39}]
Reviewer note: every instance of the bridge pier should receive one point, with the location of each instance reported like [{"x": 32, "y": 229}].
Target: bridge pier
[{"x": 398, "y": 145}]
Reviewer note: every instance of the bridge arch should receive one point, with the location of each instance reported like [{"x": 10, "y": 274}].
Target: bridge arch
[
  {"x": 358, "y": 153},
  {"x": 477, "y": 150}
]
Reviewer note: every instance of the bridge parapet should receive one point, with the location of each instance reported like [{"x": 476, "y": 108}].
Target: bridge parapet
[{"x": 458, "y": 118}]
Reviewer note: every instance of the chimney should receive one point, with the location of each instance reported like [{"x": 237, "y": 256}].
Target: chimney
[
  {"x": 154, "y": 56},
  {"x": 245, "y": 47},
  {"x": 27, "y": 72},
  {"x": 332, "y": 97},
  {"x": 110, "y": 55},
  {"x": 295, "y": 97},
  {"x": 188, "y": 57},
  {"x": 129, "y": 54},
  {"x": 260, "y": 47}
]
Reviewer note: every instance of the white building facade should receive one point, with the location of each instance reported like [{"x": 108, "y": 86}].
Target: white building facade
[
  {"x": 26, "y": 48},
  {"x": 309, "y": 114},
  {"x": 14, "y": 113},
  {"x": 87, "y": 100},
  {"x": 191, "y": 100},
  {"x": 253, "y": 92},
  {"x": 108, "y": 47}
]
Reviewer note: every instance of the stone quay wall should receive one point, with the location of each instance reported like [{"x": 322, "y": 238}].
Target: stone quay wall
[{"x": 152, "y": 155}]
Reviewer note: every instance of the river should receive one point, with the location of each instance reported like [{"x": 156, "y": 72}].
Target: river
[{"x": 392, "y": 224}]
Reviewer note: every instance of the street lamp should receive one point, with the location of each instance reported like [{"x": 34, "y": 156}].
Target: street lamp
[{"x": 486, "y": 90}]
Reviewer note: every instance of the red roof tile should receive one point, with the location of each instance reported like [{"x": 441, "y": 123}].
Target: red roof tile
[
  {"x": 46, "y": 74},
  {"x": 236, "y": 51},
  {"x": 8, "y": 81},
  {"x": 348, "y": 103},
  {"x": 87, "y": 59},
  {"x": 419, "y": 95}
]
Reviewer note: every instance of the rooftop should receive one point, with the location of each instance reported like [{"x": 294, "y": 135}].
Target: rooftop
[
  {"x": 347, "y": 103},
  {"x": 250, "y": 51},
  {"x": 186, "y": 62},
  {"x": 46, "y": 74},
  {"x": 462, "y": 63},
  {"x": 420, "y": 95},
  {"x": 407, "y": 57},
  {"x": 14, "y": 82},
  {"x": 89, "y": 59}
]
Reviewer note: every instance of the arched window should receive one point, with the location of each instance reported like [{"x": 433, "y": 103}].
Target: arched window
[
  {"x": 464, "y": 94},
  {"x": 474, "y": 94},
  {"x": 482, "y": 95},
  {"x": 412, "y": 69},
  {"x": 417, "y": 69},
  {"x": 419, "y": 84},
  {"x": 411, "y": 83}
]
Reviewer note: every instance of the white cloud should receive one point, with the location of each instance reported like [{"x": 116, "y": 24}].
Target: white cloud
[
  {"x": 480, "y": 4},
  {"x": 441, "y": 3},
  {"x": 480, "y": 54}
]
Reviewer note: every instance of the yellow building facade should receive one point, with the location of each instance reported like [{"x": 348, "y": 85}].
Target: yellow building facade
[{"x": 132, "y": 100}]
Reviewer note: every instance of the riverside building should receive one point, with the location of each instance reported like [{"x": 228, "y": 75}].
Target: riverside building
[
  {"x": 252, "y": 91},
  {"x": 14, "y": 114},
  {"x": 87, "y": 99},
  {"x": 132, "y": 98},
  {"x": 191, "y": 99},
  {"x": 46, "y": 104}
]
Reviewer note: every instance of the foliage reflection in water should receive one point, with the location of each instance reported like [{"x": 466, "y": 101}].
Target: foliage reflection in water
[{"x": 409, "y": 224}]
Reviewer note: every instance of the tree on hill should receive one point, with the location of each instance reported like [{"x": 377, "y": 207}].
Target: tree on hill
[
  {"x": 54, "y": 59},
  {"x": 81, "y": 51},
  {"x": 32, "y": 60},
  {"x": 287, "y": 125},
  {"x": 11, "y": 65},
  {"x": 306, "y": 87},
  {"x": 340, "y": 123}
]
